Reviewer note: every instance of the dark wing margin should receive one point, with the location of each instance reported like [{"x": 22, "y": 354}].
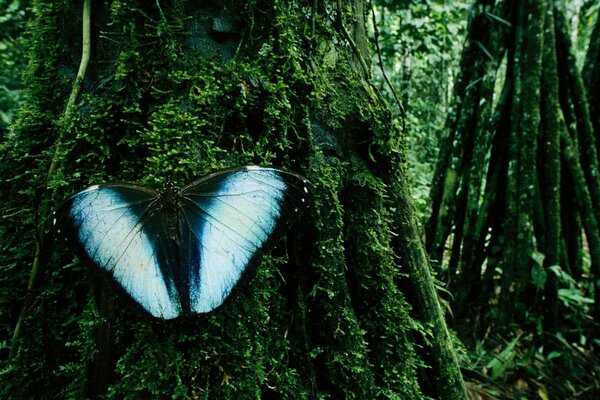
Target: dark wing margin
[
  {"x": 227, "y": 220},
  {"x": 119, "y": 229}
]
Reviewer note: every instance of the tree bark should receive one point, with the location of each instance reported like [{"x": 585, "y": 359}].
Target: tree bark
[
  {"x": 174, "y": 90},
  {"x": 591, "y": 77},
  {"x": 549, "y": 170}
]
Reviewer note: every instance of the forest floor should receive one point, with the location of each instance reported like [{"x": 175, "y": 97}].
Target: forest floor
[{"x": 518, "y": 369}]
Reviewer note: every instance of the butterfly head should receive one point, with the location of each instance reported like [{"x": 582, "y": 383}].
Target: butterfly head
[
  {"x": 169, "y": 194},
  {"x": 169, "y": 189}
]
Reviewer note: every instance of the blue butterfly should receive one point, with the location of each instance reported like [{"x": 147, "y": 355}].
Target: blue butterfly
[{"x": 182, "y": 251}]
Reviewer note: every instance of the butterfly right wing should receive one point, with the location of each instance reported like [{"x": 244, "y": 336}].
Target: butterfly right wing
[
  {"x": 227, "y": 220},
  {"x": 120, "y": 230}
]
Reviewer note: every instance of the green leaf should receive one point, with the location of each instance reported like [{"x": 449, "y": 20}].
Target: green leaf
[
  {"x": 485, "y": 51},
  {"x": 538, "y": 276},
  {"x": 497, "y": 18},
  {"x": 573, "y": 297},
  {"x": 538, "y": 258},
  {"x": 504, "y": 360},
  {"x": 562, "y": 275},
  {"x": 553, "y": 355},
  {"x": 543, "y": 394}
]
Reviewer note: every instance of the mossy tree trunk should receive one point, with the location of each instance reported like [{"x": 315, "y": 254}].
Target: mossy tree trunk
[
  {"x": 518, "y": 174},
  {"x": 591, "y": 77},
  {"x": 174, "y": 90}
]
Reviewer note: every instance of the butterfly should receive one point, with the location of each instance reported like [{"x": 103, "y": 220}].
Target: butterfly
[{"x": 183, "y": 251}]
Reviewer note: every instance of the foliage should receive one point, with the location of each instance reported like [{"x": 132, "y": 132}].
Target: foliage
[
  {"x": 581, "y": 15},
  {"x": 414, "y": 49},
  {"x": 12, "y": 62},
  {"x": 420, "y": 47},
  {"x": 517, "y": 366}
]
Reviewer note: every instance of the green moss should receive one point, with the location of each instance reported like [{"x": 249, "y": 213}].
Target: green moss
[
  {"x": 323, "y": 318},
  {"x": 374, "y": 274}
]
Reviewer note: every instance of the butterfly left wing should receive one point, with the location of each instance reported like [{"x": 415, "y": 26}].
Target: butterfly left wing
[
  {"x": 119, "y": 229},
  {"x": 227, "y": 219}
]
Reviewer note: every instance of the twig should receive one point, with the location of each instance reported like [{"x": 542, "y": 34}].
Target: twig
[
  {"x": 162, "y": 14},
  {"x": 385, "y": 77},
  {"x": 346, "y": 34}
]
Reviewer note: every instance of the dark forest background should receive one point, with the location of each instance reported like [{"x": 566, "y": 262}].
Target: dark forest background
[{"x": 491, "y": 115}]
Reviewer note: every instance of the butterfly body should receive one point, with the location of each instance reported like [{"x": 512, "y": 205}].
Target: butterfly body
[
  {"x": 182, "y": 251},
  {"x": 169, "y": 203}
]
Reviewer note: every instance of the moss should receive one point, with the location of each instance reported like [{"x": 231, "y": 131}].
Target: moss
[
  {"x": 374, "y": 274},
  {"x": 323, "y": 318}
]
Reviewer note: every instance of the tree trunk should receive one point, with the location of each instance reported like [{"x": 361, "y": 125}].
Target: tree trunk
[
  {"x": 174, "y": 90},
  {"x": 591, "y": 78}
]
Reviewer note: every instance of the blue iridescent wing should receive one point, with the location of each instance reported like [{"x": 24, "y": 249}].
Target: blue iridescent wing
[
  {"x": 122, "y": 230},
  {"x": 227, "y": 219}
]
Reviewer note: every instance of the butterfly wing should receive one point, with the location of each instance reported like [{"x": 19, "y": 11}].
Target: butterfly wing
[
  {"x": 121, "y": 229},
  {"x": 227, "y": 219}
]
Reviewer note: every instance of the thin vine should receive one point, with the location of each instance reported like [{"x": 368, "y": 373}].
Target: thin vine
[
  {"x": 66, "y": 123},
  {"x": 380, "y": 62}
]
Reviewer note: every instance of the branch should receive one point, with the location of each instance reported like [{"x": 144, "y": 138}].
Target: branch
[
  {"x": 346, "y": 34},
  {"x": 385, "y": 77}
]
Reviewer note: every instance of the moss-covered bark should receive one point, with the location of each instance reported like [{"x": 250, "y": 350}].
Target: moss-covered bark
[
  {"x": 177, "y": 89},
  {"x": 549, "y": 168},
  {"x": 521, "y": 172},
  {"x": 591, "y": 77}
]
